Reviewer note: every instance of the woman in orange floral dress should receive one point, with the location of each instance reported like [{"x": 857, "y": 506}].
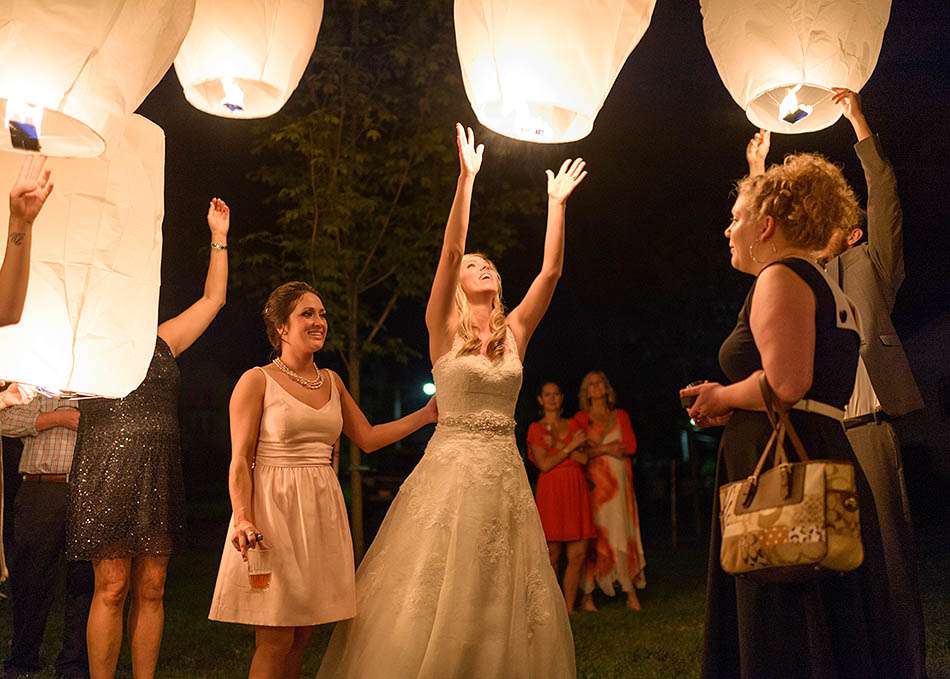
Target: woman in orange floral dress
[
  {"x": 556, "y": 447},
  {"x": 617, "y": 551}
]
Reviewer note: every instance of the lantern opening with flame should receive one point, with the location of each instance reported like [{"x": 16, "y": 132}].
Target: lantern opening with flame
[
  {"x": 780, "y": 59},
  {"x": 24, "y": 122},
  {"x": 244, "y": 58},
  {"x": 72, "y": 73},
  {"x": 540, "y": 70},
  {"x": 790, "y": 110}
]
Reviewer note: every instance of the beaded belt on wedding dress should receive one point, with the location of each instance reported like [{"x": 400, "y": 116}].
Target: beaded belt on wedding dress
[{"x": 486, "y": 423}]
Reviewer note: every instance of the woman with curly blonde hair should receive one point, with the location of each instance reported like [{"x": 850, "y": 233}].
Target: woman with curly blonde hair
[
  {"x": 616, "y": 552},
  {"x": 458, "y": 581},
  {"x": 800, "y": 331}
]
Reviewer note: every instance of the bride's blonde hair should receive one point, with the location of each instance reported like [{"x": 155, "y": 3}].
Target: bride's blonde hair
[{"x": 497, "y": 323}]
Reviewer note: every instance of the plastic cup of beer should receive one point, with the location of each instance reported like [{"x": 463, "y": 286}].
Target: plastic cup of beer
[{"x": 259, "y": 568}]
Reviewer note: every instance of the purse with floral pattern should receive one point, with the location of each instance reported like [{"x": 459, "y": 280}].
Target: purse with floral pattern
[{"x": 794, "y": 520}]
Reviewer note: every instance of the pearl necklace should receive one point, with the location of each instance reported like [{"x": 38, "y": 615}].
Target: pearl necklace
[{"x": 300, "y": 379}]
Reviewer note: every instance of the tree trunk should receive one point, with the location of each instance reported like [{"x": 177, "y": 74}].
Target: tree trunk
[{"x": 354, "y": 360}]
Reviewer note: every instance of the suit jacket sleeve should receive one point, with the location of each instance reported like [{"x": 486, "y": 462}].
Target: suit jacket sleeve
[{"x": 885, "y": 220}]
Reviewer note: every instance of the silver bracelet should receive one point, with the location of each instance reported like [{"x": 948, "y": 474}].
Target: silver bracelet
[{"x": 218, "y": 246}]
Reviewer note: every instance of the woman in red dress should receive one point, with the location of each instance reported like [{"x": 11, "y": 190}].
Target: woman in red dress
[
  {"x": 617, "y": 555},
  {"x": 555, "y": 446}
]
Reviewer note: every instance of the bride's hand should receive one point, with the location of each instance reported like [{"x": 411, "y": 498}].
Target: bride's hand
[
  {"x": 568, "y": 177},
  {"x": 470, "y": 156}
]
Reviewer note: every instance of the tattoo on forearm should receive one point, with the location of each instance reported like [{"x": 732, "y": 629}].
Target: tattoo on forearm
[{"x": 17, "y": 237}]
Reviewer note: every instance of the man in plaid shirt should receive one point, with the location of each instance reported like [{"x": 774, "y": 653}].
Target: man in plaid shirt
[{"x": 47, "y": 427}]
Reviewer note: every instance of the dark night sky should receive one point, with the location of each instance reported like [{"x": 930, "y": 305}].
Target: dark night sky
[{"x": 647, "y": 293}]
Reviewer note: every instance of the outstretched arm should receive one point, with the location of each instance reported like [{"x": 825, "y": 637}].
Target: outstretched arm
[
  {"x": 440, "y": 311},
  {"x": 370, "y": 437},
  {"x": 885, "y": 220},
  {"x": 181, "y": 331},
  {"x": 524, "y": 319},
  {"x": 757, "y": 150},
  {"x": 850, "y": 104},
  {"x": 29, "y": 193}
]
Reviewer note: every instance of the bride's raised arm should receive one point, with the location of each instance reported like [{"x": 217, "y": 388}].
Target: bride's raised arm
[
  {"x": 525, "y": 318},
  {"x": 441, "y": 315}
]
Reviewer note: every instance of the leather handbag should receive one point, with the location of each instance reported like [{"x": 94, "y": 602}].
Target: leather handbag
[{"x": 793, "y": 520}]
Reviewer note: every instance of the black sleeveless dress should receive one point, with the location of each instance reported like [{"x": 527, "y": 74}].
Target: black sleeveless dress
[
  {"x": 126, "y": 490},
  {"x": 836, "y": 626}
]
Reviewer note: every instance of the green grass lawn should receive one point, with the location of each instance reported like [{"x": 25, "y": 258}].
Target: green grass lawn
[{"x": 663, "y": 640}]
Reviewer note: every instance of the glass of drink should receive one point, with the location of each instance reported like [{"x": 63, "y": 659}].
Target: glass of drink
[{"x": 259, "y": 568}]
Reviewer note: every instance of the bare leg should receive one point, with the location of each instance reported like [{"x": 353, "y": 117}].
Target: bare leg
[
  {"x": 295, "y": 657},
  {"x": 554, "y": 553},
  {"x": 576, "y": 555},
  {"x": 272, "y": 651},
  {"x": 633, "y": 603},
  {"x": 147, "y": 613},
  {"x": 104, "y": 626}
]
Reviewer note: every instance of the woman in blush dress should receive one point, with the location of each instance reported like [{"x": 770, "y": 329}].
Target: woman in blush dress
[
  {"x": 617, "y": 550},
  {"x": 286, "y": 500},
  {"x": 556, "y": 447},
  {"x": 457, "y": 582}
]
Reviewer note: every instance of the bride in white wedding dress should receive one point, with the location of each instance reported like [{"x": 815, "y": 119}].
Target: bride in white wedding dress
[{"x": 457, "y": 584}]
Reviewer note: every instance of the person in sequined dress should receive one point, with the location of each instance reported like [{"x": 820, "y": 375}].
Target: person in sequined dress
[{"x": 126, "y": 501}]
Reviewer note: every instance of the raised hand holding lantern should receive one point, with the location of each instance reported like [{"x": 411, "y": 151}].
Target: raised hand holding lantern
[
  {"x": 91, "y": 310},
  {"x": 779, "y": 59},
  {"x": 244, "y": 58},
  {"x": 72, "y": 73},
  {"x": 539, "y": 70}
]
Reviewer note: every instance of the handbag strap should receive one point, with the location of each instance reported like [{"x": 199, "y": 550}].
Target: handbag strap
[{"x": 778, "y": 416}]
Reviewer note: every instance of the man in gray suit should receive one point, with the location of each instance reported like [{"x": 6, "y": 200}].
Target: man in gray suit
[{"x": 871, "y": 273}]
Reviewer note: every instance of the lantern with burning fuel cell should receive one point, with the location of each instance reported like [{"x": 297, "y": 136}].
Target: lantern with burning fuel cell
[
  {"x": 539, "y": 70},
  {"x": 244, "y": 58},
  {"x": 779, "y": 59},
  {"x": 91, "y": 310},
  {"x": 72, "y": 73}
]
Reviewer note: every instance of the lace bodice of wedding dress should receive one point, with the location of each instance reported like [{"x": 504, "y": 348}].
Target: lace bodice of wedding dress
[{"x": 472, "y": 384}]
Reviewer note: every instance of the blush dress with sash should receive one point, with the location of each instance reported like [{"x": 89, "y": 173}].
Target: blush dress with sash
[
  {"x": 457, "y": 583},
  {"x": 299, "y": 508}
]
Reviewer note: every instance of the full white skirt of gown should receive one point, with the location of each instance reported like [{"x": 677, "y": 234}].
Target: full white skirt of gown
[{"x": 457, "y": 583}]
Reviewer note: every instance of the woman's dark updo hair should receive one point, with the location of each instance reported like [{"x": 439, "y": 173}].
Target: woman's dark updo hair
[
  {"x": 545, "y": 383},
  {"x": 278, "y": 307}
]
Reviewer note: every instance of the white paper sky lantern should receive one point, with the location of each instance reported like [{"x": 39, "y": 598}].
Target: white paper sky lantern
[
  {"x": 80, "y": 68},
  {"x": 539, "y": 70},
  {"x": 92, "y": 304},
  {"x": 779, "y": 59},
  {"x": 244, "y": 58}
]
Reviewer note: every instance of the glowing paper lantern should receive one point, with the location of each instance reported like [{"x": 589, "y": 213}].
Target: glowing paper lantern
[
  {"x": 779, "y": 59},
  {"x": 244, "y": 58},
  {"x": 92, "y": 303},
  {"x": 81, "y": 68},
  {"x": 539, "y": 70}
]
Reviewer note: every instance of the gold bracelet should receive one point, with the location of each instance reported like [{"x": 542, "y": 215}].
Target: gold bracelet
[{"x": 218, "y": 246}]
